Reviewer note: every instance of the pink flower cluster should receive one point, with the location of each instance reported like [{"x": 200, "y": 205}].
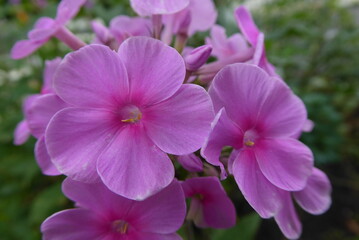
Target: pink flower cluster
[{"x": 115, "y": 115}]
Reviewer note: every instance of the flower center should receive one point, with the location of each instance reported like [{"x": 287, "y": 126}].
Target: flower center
[
  {"x": 250, "y": 137},
  {"x": 130, "y": 114},
  {"x": 199, "y": 196},
  {"x": 120, "y": 226}
]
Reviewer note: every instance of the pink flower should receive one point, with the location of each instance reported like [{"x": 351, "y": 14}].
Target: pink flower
[
  {"x": 255, "y": 38},
  {"x": 257, "y": 115},
  {"x": 38, "y": 110},
  {"x": 154, "y": 7},
  {"x": 210, "y": 205},
  {"x": 103, "y": 215},
  {"x": 130, "y": 109},
  {"x": 314, "y": 198},
  {"x": 199, "y": 15},
  {"x": 46, "y": 27},
  {"x": 191, "y": 162}
]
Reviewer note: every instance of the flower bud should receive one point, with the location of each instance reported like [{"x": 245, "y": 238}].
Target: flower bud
[{"x": 198, "y": 57}]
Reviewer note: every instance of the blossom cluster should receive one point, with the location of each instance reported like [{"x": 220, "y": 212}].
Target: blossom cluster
[{"x": 117, "y": 115}]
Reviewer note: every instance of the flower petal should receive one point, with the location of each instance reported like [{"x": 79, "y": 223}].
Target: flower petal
[
  {"x": 50, "y": 69},
  {"x": 152, "y": 236},
  {"x": 155, "y": 70},
  {"x": 74, "y": 224},
  {"x": 177, "y": 125},
  {"x": 24, "y": 48},
  {"x": 203, "y": 15},
  {"x": 41, "y": 111},
  {"x": 224, "y": 133},
  {"x": 287, "y": 218},
  {"x": 315, "y": 197},
  {"x": 287, "y": 163},
  {"x": 76, "y": 137},
  {"x": 246, "y": 25},
  {"x": 93, "y": 76},
  {"x": 191, "y": 162},
  {"x": 241, "y": 89},
  {"x": 21, "y": 133},
  {"x": 68, "y": 9},
  {"x": 44, "y": 28},
  {"x": 43, "y": 158},
  {"x": 132, "y": 166},
  {"x": 162, "y": 213},
  {"x": 152, "y": 7},
  {"x": 282, "y": 114},
  {"x": 261, "y": 194}
]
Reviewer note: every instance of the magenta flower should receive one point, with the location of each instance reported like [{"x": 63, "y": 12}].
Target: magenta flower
[
  {"x": 199, "y": 15},
  {"x": 46, "y": 27},
  {"x": 38, "y": 110},
  {"x": 255, "y": 38},
  {"x": 314, "y": 198},
  {"x": 197, "y": 57},
  {"x": 210, "y": 205},
  {"x": 103, "y": 215},
  {"x": 257, "y": 115},
  {"x": 154, "y": 7},
  {"x": 130, "y": 109}
]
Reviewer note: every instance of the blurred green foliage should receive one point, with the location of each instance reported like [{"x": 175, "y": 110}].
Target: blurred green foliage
[{"x": 313, "y": 44}]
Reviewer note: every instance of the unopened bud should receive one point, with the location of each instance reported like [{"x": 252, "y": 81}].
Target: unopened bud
[{"x": 198, "y": 57}]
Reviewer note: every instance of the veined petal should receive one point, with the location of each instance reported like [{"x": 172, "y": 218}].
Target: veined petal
[
  {"x": 162, "y": 213},
  {"x": 93, "y": 77},
  {"x": 237, "y": 88},
  {"x": 133, "y": 166},
  {"x": 180, "y": 124},
  {"x": 74, "y": 224},
  {"x": 315, "y": 197},
  {"x": 43, "y": 158},
  {"x": 287, "y": 218},
  {"x": 76, "y": 137},
  {"x": 42, "y": 109},
  {"x": 152, "y": 7},
  {"x": 261, "y": 194},
  {"x": 224, "y": 133},
  {"x": 155, "y": 70},
  {"x": 287, "y": 163}
]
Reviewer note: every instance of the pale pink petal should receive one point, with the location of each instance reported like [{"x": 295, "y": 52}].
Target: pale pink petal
[
  {"x": 237, "y": 87},
  {"x": 286, "y": 162},
  {"x": 162, "y": 213},
  {"x": 177, "y": 125},
  {"x": 123, "y": 27},
  {"x": 76, "y": 137},
  {"x": 44, "y": 28},
  {"x": 98, "y": 198},
  {"x": 283, "y": 113},
  {"x": 93, "y": 76},
  {"x": 224, "y": 133},
  {"x": 315, "y": 197},
  {"x": 203, "y": 15},
  {"x": 287, "y": 218},
  {"x": 133, "y": 166},
  {"x": 246, "y": 25},
  {"x": 42, "y": 109},
  {"x": 261, "y": 194},
  {"x": 155, "y": 70},
  {"x": 152, "y": 7},
  {"x": 24, "y": 48},
  {"x": 43, "y": 159},
  {"x": 50, "y": 69},
  {"x": 74, "y": 224},
  {"x": 21, "y": 133},
  {"x": 191, "y": 162},
  {"x": 68, "y": 9},
  {"x": 102, "y": 33}
]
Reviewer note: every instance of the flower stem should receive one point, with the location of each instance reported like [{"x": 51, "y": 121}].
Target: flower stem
[{"x": 67, "y": 37}]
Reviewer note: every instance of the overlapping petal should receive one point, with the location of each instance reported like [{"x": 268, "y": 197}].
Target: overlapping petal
[
  {"x": 152, "y": 7},
  {"x": 94, "y": 77},
  {"x": 21, "y": 133},
  {"x": 287, "y": 163},
  {"x": 180, "y": 124},
  {"x": 43, "y": 158},
  {"x": 133, "y": 166},
  {"x": 155, "y": 70}
]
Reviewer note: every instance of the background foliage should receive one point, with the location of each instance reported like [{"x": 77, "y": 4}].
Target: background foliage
[{"x": 315, "y": 46}]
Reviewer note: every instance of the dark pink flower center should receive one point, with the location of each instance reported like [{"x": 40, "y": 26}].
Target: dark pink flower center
[
  {"x": 130, "y": 114},
  {"x": 120, "y": 226},
  {"x": 250, "y": 137}
]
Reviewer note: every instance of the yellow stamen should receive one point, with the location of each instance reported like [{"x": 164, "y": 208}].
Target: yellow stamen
[
  {"x": 133, "y": 120},
  {"x": 249, "y": 143},
  {"x": 120, "y": 226}
]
